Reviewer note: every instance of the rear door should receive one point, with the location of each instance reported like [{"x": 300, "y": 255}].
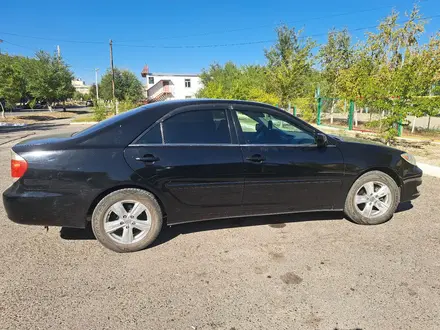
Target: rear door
[
  {"x": 191, "y": 158},
  {"x": 284, "y": 168}
]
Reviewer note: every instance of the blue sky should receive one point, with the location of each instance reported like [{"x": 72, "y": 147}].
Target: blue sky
[{"x": 178, "y": 23}]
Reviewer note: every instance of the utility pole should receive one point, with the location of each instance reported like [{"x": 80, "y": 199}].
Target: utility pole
[
  {"x": 58, "y": 51},
  {"x": 0, "y": 48},
  {"x": 113, "y": 70},
  {"x": 96, "y": 83}
]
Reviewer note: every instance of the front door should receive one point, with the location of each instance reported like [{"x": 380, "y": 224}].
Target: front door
[
  {"x": 189, "y": 158},
  {"x": 284, "y": 168}
]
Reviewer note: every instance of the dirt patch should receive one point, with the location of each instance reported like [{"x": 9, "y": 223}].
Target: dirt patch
[
  {"x": 291, "y": 278},
  {"x": 37, "y": 117}
]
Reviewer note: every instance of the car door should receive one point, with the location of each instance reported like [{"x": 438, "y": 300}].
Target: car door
[
  {"x": 193, "y": 161},
  {"x": 285, "y": 170}
]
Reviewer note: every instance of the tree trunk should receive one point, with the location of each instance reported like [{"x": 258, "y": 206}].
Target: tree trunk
[
  {"x": 413, "y": 125},
  {"x": 380, "y": 121},
  {"x": 49, "y": 106},
  {"x": 355, "y": 116},
  {"x": 429, "y": 122},
  {"x": 3, "y": 109},
  {"x": 371, "y": 116},
  {"x": 332, "y": 109},
  {"x": 64, "y": 106}
]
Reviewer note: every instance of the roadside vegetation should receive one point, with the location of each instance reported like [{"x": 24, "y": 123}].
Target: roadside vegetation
[
  {"x": 34, "y": 81},
  {"x": 392, "y": 73}
]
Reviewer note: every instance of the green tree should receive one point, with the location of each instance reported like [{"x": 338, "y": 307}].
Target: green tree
[
  {"x": 127, "y": 86},
  {"x": 334, "y": 56},
  {"x": 289, "y": 65},
  {"x": 49, "y": 79},
  {"x": 232, "y": 82},
  {"x": 12, "y": 81}
]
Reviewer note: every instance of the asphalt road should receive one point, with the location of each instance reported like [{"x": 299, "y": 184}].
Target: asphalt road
[{"x": 308, "y": 271}]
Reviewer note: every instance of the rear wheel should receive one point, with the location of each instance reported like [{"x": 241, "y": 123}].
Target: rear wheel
[
  {"x": 127, "y": 220},
  {"x": 372, "y": 199}
]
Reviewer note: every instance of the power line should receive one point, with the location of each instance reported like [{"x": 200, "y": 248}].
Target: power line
[
  {"x": 270, "y": 25},
  {"x": 255, "y": 42},
  {"x": 16, "y": 45},
  {"x": 53, "y": 39},
  {"x": 203, "y": 46},
  {"x": 207, "y": 33}
]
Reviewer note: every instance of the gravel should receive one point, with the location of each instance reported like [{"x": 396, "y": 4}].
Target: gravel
[{"x": 307, "y": 271}]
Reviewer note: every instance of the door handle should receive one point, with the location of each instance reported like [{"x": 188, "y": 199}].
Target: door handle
[
  {"x": 256, "y": 158},
  {"x": 148, "y": 159}
]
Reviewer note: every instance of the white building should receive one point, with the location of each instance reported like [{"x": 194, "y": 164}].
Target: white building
[
  {"x": 170, "y": 86},
  {"x": 80, "y": 86}
]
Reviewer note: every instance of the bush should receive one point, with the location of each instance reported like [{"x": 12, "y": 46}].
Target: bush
[{"x": 99, "y": 112}]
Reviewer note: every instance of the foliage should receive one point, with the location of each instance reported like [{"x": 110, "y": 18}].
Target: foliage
[
  {"x": 49, "y": 78},
  {"x": 127, "y": 86},
  {"x": 99, "y": 111},
  {"x": 233, "y": 82},
  {"x": 12, "y": 81},
  {"x": 289, "y": 65},
  {"x": 43, "y": 78}
]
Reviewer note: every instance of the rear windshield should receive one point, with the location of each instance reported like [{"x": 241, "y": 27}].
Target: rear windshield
[{"x": 107, "y": 122}]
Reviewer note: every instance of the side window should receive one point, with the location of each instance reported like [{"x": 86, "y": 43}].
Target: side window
[
  {"x": 151, "y": 80},
  {"x": 153, "y": 136},
  {"x": 198, "y": 127},
  {"x": 259, "y": 127}
]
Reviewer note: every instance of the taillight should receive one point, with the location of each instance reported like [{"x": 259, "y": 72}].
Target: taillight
[{"x": 18, "y": 165}]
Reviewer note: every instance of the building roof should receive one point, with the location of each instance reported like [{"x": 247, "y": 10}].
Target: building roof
[{"x": 173, "y": 74}]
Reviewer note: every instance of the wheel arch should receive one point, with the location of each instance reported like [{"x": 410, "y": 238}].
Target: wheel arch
[
  {"x": 387, "y": 170},
  {"x": 104, "y": 193}
]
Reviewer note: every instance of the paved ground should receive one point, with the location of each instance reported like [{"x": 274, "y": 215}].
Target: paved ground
[{"x": 309, "y": 271}]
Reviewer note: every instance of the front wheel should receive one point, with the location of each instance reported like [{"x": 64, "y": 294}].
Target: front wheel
[
  {"x": 372, "y": 199},
  {"x": 127, "y": 220}
]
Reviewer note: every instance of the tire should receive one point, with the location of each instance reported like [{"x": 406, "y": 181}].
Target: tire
[
  {"x": 363, "y": 204},
  {"x": 112, "y": 224}
]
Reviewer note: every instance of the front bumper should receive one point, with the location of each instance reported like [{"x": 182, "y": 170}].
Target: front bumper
[{"x": 409, "y": 189}]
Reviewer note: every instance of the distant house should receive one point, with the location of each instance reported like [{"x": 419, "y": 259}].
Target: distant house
[
  {"x": 80, "y": 86},
  {"x": 170, "y": 86}
]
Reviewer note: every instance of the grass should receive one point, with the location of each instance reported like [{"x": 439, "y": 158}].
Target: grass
[
  {"x": 37, "y": 117},
  {"x": 84, "y": 119}
]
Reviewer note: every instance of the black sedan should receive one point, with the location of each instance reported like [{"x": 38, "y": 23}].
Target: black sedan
[{"x": 181, "y": 161}]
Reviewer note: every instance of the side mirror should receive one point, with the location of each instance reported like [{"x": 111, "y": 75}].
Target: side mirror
[{"x": 321, "y": 140}]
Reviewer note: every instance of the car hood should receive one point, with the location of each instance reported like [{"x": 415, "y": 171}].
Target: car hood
[{"x": 359, "y": 141}]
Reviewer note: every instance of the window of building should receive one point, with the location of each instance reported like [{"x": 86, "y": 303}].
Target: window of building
[
  {"x": 187, "y": 83},
  {"x": 151, "y": 80},
  {"x": 259, "y": 127},
  {"x": 198, "y": 127},
  {"x": 153, "y": 136}
]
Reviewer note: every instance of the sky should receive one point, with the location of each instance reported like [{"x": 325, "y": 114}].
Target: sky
[{"x": 162, "y": 34}]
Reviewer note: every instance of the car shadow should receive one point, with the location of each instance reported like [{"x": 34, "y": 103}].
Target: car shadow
[{"x": 168, "y": 233}]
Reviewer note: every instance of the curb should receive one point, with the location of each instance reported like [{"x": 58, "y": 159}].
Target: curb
[
  {"x": 429, "y": 169},
  {"x": 84, "y": 123}
]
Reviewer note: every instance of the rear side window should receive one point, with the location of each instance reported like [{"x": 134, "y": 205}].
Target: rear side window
[
  {"x": 153, "y": 136},
  {"x": 197, "y": 127}
]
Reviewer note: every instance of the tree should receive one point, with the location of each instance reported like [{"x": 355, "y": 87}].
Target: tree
[
  {"x": 49, "y": 79},
  {"x": 92, "y": 91},
  {"x": 127, "y": 86},
  {"x": 232, "y": 82},
  {"x": 12, "y": 82},
  {"x": 334, "y": 56},
  {"x": 289, "y": 65}
]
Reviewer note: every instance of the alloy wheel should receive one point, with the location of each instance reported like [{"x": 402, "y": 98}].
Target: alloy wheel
[
  {"x": 127, "y": 221},
  {"x": 373, "y": 199}
]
